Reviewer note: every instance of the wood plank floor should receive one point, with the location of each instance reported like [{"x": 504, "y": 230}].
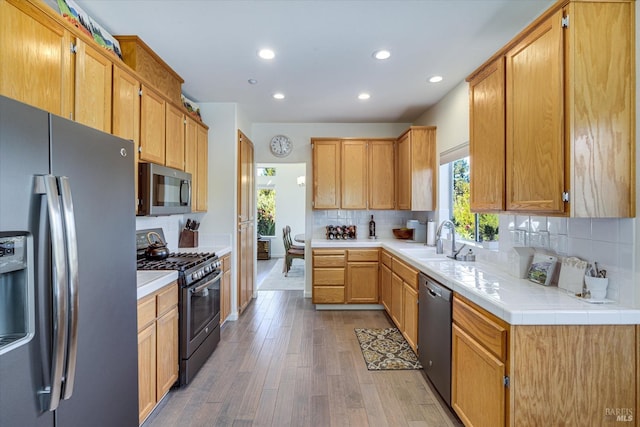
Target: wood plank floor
[{"x": 285, "y": 364}]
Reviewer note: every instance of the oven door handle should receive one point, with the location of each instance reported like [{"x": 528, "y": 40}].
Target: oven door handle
[{"x": 205, "y": 285}]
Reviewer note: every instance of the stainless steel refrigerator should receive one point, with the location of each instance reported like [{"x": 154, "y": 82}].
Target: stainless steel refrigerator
[{"x": 68, "y": 335}]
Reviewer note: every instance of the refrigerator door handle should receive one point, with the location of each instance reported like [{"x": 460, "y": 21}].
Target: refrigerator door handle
[
  {"x": 72, "y": 264},
  {"x": 50, "y": 395}
]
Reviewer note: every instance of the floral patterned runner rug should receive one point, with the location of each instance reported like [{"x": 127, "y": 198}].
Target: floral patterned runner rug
[{"x": 386, "y": 349}]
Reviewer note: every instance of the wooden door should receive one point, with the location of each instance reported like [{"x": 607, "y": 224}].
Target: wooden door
[
  {"x": 477, "y": 392},
  {"x": 403, "y": 172},
  {"x": 167, "y": 353},
  {"x": 93, "y": 87},
  {"x": 146, "y": 371},
  {"x": 362, "y": 282},
  {"x": 410, "y": 313},
  {"x": 381, "y": 174},
  {"x": 174, "y": 137},
  {"x": 326, "y": 174},
  {"x": 152, "y": 129},
  {"x": 535, "y": 115},
  {"x": 353, "y": 183},
  {"x": 245, "y": 178},
  {"x": 202, "y": 166},
  {"x": 385, "y": 287},
  {"x": 397, "y": 305},
  {"x": 35, "y": 58},
  {"x": 487, "y": 138},
  {"x": 125, "y": 121}
]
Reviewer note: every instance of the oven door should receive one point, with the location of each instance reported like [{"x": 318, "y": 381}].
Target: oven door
[{"x": 200, "y": 312}]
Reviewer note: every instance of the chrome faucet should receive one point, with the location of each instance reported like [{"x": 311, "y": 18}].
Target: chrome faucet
[{"x": 439, "y": 250}]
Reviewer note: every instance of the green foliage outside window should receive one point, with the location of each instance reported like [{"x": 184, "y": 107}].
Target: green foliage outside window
[
  {"x": 463, "y": 218},
  {"x": 267, "y": 212}
]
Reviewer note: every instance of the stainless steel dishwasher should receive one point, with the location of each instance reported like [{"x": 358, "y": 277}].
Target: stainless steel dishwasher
[{"x": 434, "y": 334}]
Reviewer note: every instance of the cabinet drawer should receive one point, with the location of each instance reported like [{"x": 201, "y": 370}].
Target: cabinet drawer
[
  {"x": 385, "y": 258},
  {"x": 328, "y": 276},
  {"x": 328, "y": 294},
  {"x": 167, "y": 298},
  {"x": 226, "y": 263},
  {"x": 482, "y": 326},
  {"x": 363, "y": 255},
  {"x": 328, "y": 257},
  {"x": 146, "y": 311},
  {"x": 407, "y": 273}
]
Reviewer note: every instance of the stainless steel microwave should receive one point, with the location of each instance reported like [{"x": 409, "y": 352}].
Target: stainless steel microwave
[{"x": 163, "y": 190}]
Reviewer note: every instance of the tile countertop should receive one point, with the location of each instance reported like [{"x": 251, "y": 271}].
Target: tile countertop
[
  {"x": 517, "y": 301},
  {"x": 149, "y": 281}
]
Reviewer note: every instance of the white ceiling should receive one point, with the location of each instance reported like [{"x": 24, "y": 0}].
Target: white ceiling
[{"x": 323, "y": 50}]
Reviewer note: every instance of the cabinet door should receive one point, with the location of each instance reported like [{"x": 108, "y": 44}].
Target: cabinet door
[
  {"x": 225, "y": 289},
  {"x": 385, "y": 287},
  {"x": 167, "y": 354},
  {"x": 326, "y": 174},
  {"x": 174, "y": 137},
  {"x": 245, "y": 178},
  {"x": 477, "y": 392},
  {"x": 246, "y": 239},
  {"x": 35, "y": 58},
  {"x": 535, "y": 115},
  {"x": 403, "y": 181},
  {"x": 410, "y": 313},
  {"x": 190, "y": 156},
  {"x": 152, "y": 130},
  {"x": 397, "y": 305},
  {"x": 362, "y": 282},
  {"x": 125, "y": 121},
  {"x": 353, "y": 181},
  {"x": 381, "y": 173},
  {"x": 202, "y": 166},
  {"x": 146, "y": 371},
  {"x": 93, "y": 83},
  {"x": 487, "y": 138}
]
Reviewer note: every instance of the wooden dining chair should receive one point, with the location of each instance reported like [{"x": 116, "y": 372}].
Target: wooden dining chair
[{"x": 291, "y": 251}]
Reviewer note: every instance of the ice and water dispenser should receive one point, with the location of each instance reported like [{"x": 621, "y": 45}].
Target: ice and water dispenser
[{"x": 16, "y": 290}]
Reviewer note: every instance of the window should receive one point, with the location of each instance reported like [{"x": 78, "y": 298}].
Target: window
[
  {"x": 455, "y": 190},
  {"x": 260, "y": 171},
  {"x": 267, "y": 212}
]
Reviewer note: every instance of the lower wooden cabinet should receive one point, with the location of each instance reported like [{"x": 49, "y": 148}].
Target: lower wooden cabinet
[
  {"x": 410, "y": 314},
  {"x": 404, "y": 300},
  {"x": 157, "y": 347},
  {"x": 328, "y": 276},
  {"x": 385, "y": 287},
  {"x": 362, "y": 276},
  {"x": 345, "y": 276},
  {"x": 225, "y": 289}
]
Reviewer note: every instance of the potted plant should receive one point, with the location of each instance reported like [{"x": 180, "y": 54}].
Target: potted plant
[{"x": 489, "y": 234}]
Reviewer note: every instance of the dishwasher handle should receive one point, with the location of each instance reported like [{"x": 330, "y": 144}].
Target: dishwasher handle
[{"x": 434, "y": 289}]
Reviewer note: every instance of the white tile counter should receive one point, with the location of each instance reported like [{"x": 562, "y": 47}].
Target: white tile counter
[
  {"x": 517, "y": 301},
  {"x": 149, "y": 281}
]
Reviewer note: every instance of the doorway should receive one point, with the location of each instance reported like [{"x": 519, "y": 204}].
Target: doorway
[{"x": 280, "y": 201}]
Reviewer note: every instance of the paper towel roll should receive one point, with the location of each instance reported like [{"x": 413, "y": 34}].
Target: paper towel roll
[{"x": 431, "y": 233}]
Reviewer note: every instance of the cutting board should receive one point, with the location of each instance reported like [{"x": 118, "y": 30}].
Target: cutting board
[{"x": 572, "y": 273}]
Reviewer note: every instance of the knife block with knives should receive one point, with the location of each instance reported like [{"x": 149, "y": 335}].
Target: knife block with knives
[{"x": 189, "y": 235}]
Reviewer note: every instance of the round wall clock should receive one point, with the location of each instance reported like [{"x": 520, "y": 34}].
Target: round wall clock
[{"x": 281, "y": 146}]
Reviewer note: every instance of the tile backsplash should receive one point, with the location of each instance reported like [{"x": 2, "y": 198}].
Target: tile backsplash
[
  {"x": 609, "y": 242},
  {"x": 385, "y": 221}
]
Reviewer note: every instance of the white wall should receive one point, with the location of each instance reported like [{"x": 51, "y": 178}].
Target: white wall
[{"x": 290, "y": 200}]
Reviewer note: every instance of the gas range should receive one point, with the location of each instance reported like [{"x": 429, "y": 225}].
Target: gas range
[{"x": 191, "y": 266}]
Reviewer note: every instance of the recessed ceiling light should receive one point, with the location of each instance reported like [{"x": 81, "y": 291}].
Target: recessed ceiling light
[
  {"x": 435, "y": 79},
  {"x": 278, "y": 95},
  {"x": 364, "y": 96},
  {"x": 252, "y": 81},
  {"x": 266, "y": 54},
  {"x": 381, "y": 54}
]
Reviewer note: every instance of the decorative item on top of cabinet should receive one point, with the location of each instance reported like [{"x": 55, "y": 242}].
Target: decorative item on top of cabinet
[
  {"x": 417, "y": 169},
  {"x": 570, "y": 112},
  {"x": 487, "y": 138}
]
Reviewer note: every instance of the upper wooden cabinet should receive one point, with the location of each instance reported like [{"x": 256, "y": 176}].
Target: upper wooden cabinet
[
  {"x": 202, "y": 164},
  {"x": 35, "y": 58},
  {"x": 353, "y": 174},
  {"x": 93, "y": 86},
  {"x": 417, "y": 169},
  {"x": 245, "y": 178},
  {"x": 326, "y": 173},
  {"x": 570, "y": 112},
  {"x": 152, "y": 126},
  {"x": 487, "y": 138},
  {"x": 174, "y": 137}
]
